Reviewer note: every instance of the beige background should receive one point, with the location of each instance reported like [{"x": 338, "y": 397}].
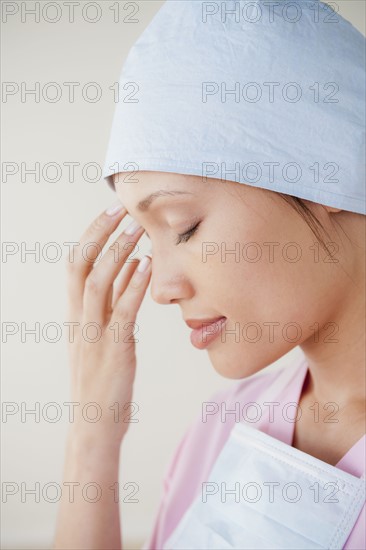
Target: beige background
[{"x": 173, "y": 378}]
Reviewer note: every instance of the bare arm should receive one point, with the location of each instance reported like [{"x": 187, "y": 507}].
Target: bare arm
[
  {"x": 102, "y": 372},
  {"x": 89, "y": 514}
]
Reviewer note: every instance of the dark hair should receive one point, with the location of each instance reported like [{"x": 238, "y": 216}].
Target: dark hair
[{"x": 308, "y": 216}]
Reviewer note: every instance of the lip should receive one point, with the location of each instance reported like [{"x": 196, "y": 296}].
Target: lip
[
  {"x": 205, "y": 330},
  {"x": 198, "y": 323}
]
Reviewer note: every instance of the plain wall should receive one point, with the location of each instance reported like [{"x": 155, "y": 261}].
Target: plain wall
[{"x": 173, "y": 378}]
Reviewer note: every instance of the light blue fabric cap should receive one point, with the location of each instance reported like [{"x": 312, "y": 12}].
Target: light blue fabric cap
[{"x": 266, "y": 93}]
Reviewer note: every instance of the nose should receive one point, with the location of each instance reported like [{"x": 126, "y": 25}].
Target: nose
[{"x": 169, "y": 284}]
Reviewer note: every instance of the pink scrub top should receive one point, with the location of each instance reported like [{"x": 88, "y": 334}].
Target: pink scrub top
[{"x": 201, "y": 444}]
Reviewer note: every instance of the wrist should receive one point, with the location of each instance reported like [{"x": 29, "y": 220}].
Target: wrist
[{"x": 81, "y": 441}]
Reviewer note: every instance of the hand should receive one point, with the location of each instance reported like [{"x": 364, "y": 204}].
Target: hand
[{"x": 102, "y": 353}]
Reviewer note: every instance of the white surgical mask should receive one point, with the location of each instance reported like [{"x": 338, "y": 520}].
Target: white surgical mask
[{"x": 263, "y": 493}]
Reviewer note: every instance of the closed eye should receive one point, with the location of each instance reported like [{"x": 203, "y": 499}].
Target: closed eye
[{"x": 184, "y": 237}]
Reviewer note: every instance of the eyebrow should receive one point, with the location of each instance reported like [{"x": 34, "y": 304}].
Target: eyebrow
[{"x": 145, "y": 203}]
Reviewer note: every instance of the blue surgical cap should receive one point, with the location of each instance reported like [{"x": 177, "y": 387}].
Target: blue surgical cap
[{"x": 266, "y": 93}]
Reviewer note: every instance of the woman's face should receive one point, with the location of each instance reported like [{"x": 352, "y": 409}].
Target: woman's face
[{"x": 251, "y": 259}]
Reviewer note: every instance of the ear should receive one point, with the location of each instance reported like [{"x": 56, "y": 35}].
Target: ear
[{"x": 332, "y": 209}]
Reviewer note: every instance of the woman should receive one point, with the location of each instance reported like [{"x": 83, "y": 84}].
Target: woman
[{"x": 258, "y": 265}]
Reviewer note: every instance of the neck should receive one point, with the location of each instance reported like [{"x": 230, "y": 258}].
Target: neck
[{"x": 337, "y": 371}]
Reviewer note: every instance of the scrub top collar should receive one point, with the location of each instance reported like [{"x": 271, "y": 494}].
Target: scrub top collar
[{"x": 286, "y": 391}]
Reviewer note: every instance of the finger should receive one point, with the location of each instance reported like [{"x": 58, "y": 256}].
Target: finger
[
  {"x": 96, "y": 302},
  {"x": 80, "y": 261},
  {"x": 129, "y": 302},
  {"x": 122, "y": 280}
]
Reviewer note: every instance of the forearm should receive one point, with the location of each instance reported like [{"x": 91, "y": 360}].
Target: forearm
[{"x": 84, "y": 522}]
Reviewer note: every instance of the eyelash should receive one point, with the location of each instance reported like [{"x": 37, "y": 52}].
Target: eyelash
[
  {"x": 184, "y": 237},
  {"x": 188, "y": 234}
]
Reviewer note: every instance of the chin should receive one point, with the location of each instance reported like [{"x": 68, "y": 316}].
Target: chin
[
  {"x": 237, "y": 361},
  {"x": 231, "y": 363}
]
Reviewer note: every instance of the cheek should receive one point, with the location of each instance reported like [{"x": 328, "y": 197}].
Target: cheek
[
  {"x": 262, "y": 275},
  {"x": 260, "y": 271}
]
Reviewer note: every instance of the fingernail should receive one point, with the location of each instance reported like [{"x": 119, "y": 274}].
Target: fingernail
[
  {"x": 144, "y": 264},
  {"x": 132, "y": 228},
  {"x": 112, "y": 210}
]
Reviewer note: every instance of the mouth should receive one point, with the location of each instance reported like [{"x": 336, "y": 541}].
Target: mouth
[
  {"x": 199, "y": 323},
  {"x": 205, "y": 331}
]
